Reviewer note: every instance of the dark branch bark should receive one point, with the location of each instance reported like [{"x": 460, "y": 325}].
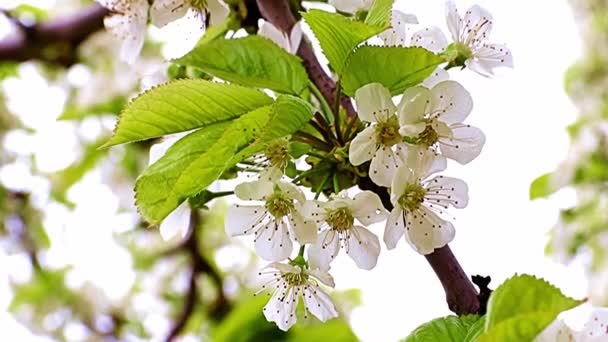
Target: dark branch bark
[
  {"x": 279, "y": 14},
  {"x": 54, "y": 41}
]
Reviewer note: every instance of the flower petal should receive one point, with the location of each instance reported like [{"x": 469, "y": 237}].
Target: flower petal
[
  {"x": 363, "y": 247},
  {"x": 446, "y": 191},
  {"x": 490, "y": 56},
  {"x": 453, "y": 19},
  {"x": 384, "y": 164},
  {"x": 313, "y": 210},
  {"x": 271, "y": 174},
  {"x": 323, "y": 276},
  {"x": 465, "y": 145},
  {"x": 350, "y": 6},
  {"x": 177, "y": 221},
  {"x": 241, "y": 219},
  {"x": 397, "y": 34},
  {"x": 426, "y": 231},
  {"x": 163, "y": 12},
  {"x": 374, "y": 103},
  {"x": 284, "y": 268},
  {"x": 129, "y": 25},
  {"x": 451, "y": 101},
  {"x": 394, "y": 229},
  {"x": 430, "y": 38},
  {"x": 281, "y": 308},
  {"x": 439, "y": 75},
  {"x": 413, "y": 106},
  {"x": 295, "y": 38},
  {"x": 256, "y": 190},
  {"x": 595, "y": 329},
  {"x": 319, "y": 303},
  {"x": 425, "y": 162},
  {"x": 324, "y": 250},
  {"x": 272, "y": 242},
  {"x": 367, "y": 208},
  {"x": 270, "y": 31},
  {"x": 478, "y": 24},
  {"x": 218, "y": 11},
  {"x": 403, "y": 177},
  {"x": 304, "y": 231},
  {"x": 363, "y": 146},
  {"x": 291, "y": 191}
]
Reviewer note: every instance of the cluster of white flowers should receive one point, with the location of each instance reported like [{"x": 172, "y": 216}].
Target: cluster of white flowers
[{"x": 128, "y": 19}]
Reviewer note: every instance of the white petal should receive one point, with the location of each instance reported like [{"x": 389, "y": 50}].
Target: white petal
[
  {"x": 479, "y": 67},
  {"x": 439, "y": 75},
  {"x": 256, "y": 190},
  {"x": 270, "y": 31},
  {"x": 478, "y": 24},
  {"x": 363, "y": 146},
  {"x": 241, "y": 219},
  {"x": 272, "y": 243},
  {"x": 295, "y": 38},
  {"x": 271, "y": 174},
  {"x": 426, "y": 231},
  {"x": 384, "y": 164},
  {"x": 430, "y": 38},
  {"x": 414, "y": 104},
  {"x": 319, "y": 303},
  {"x": 163, "y": 12},
  {"x": 465, "y": 145},
  {"x": 394, "y": 229},
  {"x": 324, "y": 250},
  {"x": 323, "y": 277},
  {"x": 291, "y": 191},
  {"x": 305, "y": 231},
  {"x": 595, "y": 330},
  {"x": 403, "y": 177},
  {"x": 452, "y": 101},
  {"x": 374, "y": 103},
  {"x": 177, "y": 221},
  {"x": 453, "y": 19},
  {"x": 313, "y": 210},
  {"x": 284, "y": 268},
  {"x": 492, "y": 56},
  {"x": 158, "y": 150},
  {"x": 557, "y": 331},
  {"x": 281, "y": 309},
  {"x": 130, "y": 27},
  {"x": 425, "y": 162},
  {"x": 367, "y": 208},
  {"x": 448, "y": 191},
  {"x": 349, "y": 6},
  {"x": 363, "y": 247},
  {"x": 218, "y": 11},
  {"x": 397, "y": 34}
]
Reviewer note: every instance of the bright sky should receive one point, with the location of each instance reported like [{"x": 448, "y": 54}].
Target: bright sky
[{"x": 523, "y": 113}]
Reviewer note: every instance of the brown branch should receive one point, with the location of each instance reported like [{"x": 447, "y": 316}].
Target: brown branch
[
  {"x": 279, "y": 14},
  {"x": 55, "y": 41}
]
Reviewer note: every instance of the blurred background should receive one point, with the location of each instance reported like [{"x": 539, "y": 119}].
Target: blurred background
[{"x": 77, "y": 264}]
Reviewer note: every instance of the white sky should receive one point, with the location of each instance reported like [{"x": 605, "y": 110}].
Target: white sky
[{"x": 523, "y": 114}]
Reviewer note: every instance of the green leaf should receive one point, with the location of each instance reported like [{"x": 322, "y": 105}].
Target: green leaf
[
  {"x": 251, "y": 61},
  {"x": 246, "y": 323},
  {"x": 380, "y": 13},
  {"x": 475, "y": 330},
  {"x": 183, "y": 105},
  {"x": 398, "y": 68},
  {"x": 541, "y": 186},
  {"x": 337, "y": 329},
  {"x": 338, "y": 35},
  {"x": 112, "y": 106},
  {"x": 198, "y": 159},
  {"x": 522, "y": 307},
  {"x": 445, "y": 329}
]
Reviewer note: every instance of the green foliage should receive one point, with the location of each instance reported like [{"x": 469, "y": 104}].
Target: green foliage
[
  {"x": 113, "y": 106},
  {"x": 338, "y": 35},
  {"x": 448, "y": 329},
  {"x": 397, "y": 68},
  {"x": 246, "y": 323},
  {"x": 521, "y": 308},
  {"x": 46, "y": 288},
  {"x": 201, "y": 157},
  {"x": 8, "y": 69},
  {"x": 181, "y": 106},
  {"x": 380, "y": 13},
  {"x": 335, "y": 330},
  {"x": 541, "y": 187},
  {"x": 251, "y": 61}
]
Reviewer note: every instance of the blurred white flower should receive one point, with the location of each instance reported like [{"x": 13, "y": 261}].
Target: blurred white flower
[
  {"x": 336, "y": 218},
  {"x": 417, "y": 202},
  {"x": 128, "y": 21},
  {"x": 594, "y": 329},
  {"x": 289, "y": 43},
  {"x": 290, "y": 283},
  {"x": 163, "y": 12},
  {"x": 351, "y": 6}
]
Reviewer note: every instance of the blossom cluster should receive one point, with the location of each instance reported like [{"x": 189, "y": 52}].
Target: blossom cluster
[{"x": 401, "y": 147}]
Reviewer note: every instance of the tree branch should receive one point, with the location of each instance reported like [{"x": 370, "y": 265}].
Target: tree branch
[
  {"x": 279, "y": 14},
  {"x": 55, "y": 41}
]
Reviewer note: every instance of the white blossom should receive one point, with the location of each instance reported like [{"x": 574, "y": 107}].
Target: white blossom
[
  {"x": 289, "y": 43},
  {"x": 290, "y": 283},
  {"x": 273, "y": 222},
  {"x": 593, "y": 330},
  {"x": 380, "y": 141},
  {"x": 351, "y": 6},
  {"x": 163, "y": 12},
  {"x": 270, "y": 164},
  {"x": 336, "y": 219},
  {"x": 128, "y": 21},
  {"x": 434, "y": 118},
  {"x": 418, "y": 203}
]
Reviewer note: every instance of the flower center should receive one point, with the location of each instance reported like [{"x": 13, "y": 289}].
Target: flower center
[
  {"x": 198, "y": 4},
  {"x": 429, "y": 136},
  {"x": 412, "y": 197},
  {"x": 279, "y": 206},
  {"x": 387, "y": 133},
  {"x": 457, "y": 53},
  {"x": 340, "y": 219},
  {"x": 295, "y": 279},
  {"x": 277, "y": 153}
]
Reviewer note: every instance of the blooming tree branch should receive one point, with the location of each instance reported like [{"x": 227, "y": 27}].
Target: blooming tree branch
[{"x": 54, "y": 41}]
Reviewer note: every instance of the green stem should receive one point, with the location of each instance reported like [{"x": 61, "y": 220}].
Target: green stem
[
  {"x": 336, "y": 183},
  {"x": 301, "y": 251},
  {"x": 326, "y": 108},
  {"x": 321, "y": 186},
  {"x": 336, "y": 112}
]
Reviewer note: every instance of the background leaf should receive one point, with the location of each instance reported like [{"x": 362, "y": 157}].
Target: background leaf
[
  {"x": 338, "y": 35},
  {"x": 251, "y": 61},
  {"x": 445, "y": 329},
  {"x": 541, "y": 186},
  {"x": 399, "y": 68},
  {"x": 181, "y": 106},
  {"x": 380, "y": 13}
]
